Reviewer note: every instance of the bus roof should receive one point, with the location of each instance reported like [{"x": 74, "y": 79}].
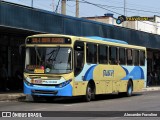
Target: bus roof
[
  {"x": 91, "y": 38},
  {"x": 106, "y": 39}
]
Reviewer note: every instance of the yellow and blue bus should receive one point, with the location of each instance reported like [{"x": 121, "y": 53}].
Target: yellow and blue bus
[{"x": 64, "y": 65}]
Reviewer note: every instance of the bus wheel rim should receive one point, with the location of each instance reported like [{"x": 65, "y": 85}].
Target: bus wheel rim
[
  {"x": 89, "y": 93},
  {"x": 130, "y": 90}
]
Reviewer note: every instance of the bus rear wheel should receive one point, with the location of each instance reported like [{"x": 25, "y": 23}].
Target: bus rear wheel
[{"x": 129, "y": 89}]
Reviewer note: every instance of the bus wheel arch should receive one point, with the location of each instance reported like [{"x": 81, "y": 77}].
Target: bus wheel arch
[
  {"x": 90, "y": 91},
  {"x": 129, "y": 88}
]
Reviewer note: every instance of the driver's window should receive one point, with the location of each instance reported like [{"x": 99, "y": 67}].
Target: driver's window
[{"x": 78, "y": 57}]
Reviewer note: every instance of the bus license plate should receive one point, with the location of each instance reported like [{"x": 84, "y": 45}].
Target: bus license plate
[{"x": 38, "y": 81}]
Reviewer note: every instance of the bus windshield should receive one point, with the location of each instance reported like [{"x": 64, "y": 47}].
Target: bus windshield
[{"x": 48, "y": 60}]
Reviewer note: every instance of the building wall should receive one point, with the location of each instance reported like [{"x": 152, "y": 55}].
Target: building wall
[
  {"x": 145, "y": 26},
  {"x": 157, "y": 20}
]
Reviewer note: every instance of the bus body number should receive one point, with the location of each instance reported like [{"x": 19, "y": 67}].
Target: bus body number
[{"x": 108, "y": 73}]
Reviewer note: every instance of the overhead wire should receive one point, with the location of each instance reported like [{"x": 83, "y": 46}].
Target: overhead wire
[
  {"x": 116, "y": 12},
  {"x": 131, "y": 9},
  {"x": 57, "y": 6},
  {"x": 132, "y": 4},
  {"x": 100, "y": 7}
]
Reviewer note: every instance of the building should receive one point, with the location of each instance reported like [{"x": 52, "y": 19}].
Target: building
[{"x": 145, "y": 26}]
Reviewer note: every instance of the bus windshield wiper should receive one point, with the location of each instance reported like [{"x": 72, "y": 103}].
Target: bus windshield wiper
[
  {"x": 53, "y": 55},
  {"x": 37, "y": 53},
  {"x": 54, "y": 59}
]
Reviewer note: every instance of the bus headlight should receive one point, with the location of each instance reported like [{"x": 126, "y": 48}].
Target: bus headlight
[
  {"x": 63, "y": 84},
  {"x": 29, "y": 84}
]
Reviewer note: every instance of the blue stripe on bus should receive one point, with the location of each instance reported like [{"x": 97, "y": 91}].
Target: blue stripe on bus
[
  {"x": 136, "y": 74},
  {"x": 107, "y": 39},
  {"x": 89, "y": 74},
  {"x": 142, "y": 73},
  {"x": 125, "y": 70}
]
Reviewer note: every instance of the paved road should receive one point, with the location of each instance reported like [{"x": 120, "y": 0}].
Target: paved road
[{"x": 146, "y": 101}]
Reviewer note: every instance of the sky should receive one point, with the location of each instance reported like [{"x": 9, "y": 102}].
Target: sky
[{"x": 91, "y": 8}]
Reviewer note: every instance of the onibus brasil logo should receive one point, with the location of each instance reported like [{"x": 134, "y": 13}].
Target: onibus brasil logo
[{"x": 123, "y": 18}]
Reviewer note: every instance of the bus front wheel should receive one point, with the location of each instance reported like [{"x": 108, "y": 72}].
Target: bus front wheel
[{"x": 90, "y": 93}]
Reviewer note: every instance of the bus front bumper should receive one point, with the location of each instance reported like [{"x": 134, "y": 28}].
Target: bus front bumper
[{"x": 47, "y": 90}]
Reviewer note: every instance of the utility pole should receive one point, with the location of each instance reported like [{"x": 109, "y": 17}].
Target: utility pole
[
  {"x": 124, "y": 7},
  {"x": 63, "y": 7},
  {"x": 77, "y": 8},
  {"x": 32, "y": 3}
]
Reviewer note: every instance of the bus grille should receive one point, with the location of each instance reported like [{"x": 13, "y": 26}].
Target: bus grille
[
  {"x": 44, "y": 92},
  {"x": 47, "y": 84}
]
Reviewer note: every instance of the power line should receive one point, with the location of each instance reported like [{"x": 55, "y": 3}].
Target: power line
[
  {"x": 57, "y": 6},
  {"x": 132, "y": 9},
  {"x": 138, "y": 10},
  {"x": 71, "y": 5},
  {"x": 116, "y": 7},
  {"x": 131, "y": 4},
  {"x": 115, "y": 12},
  {"x": 97, "y": 5},
  {"x": 100, "y": 7}
]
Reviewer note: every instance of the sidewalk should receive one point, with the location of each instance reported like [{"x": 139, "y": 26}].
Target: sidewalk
[
  {"x": 12, "y": 96},
  {"x": 19, "y": 96}
]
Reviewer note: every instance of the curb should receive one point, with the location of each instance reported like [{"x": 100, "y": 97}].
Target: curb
[{"x": 151, "y": 89}]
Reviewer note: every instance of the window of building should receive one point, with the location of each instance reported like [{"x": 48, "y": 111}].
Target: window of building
[
  {"x": 113, "y": 55},
  {"x": 91, "y": 53},
  {"x": 142, "y": 58},
  {"x": 102, "y": 54},
  {"x": 122, "y": 58},
  {"x": 136, "y": 57},
  {"x": 129, "y": 57},
  {"x": 78, "y": 57}
]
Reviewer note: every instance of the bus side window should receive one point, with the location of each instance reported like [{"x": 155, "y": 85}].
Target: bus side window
[
  {"x": 103, "y": 54},
  {"x": 91, "y": 53},
  {"x": 113, "y": 55},
  {"x": 78, "y": 57},
  {"x": 136, "y": 57},
  {"x": 142, "y": 58},
  {"x": 122, "y": 56},
  {"x": 129, "y": 57}
]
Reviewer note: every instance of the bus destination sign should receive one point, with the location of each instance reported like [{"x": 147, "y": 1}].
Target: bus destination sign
[{"x": 48, "y": 40}]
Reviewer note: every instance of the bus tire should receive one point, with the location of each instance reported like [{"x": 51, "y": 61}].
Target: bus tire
[
  {"x": 129, "y": 89},
  {"x": 88, "y": 95}
]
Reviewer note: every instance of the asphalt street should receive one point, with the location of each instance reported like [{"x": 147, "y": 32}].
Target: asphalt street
[{"x": 145, "y": 101}]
